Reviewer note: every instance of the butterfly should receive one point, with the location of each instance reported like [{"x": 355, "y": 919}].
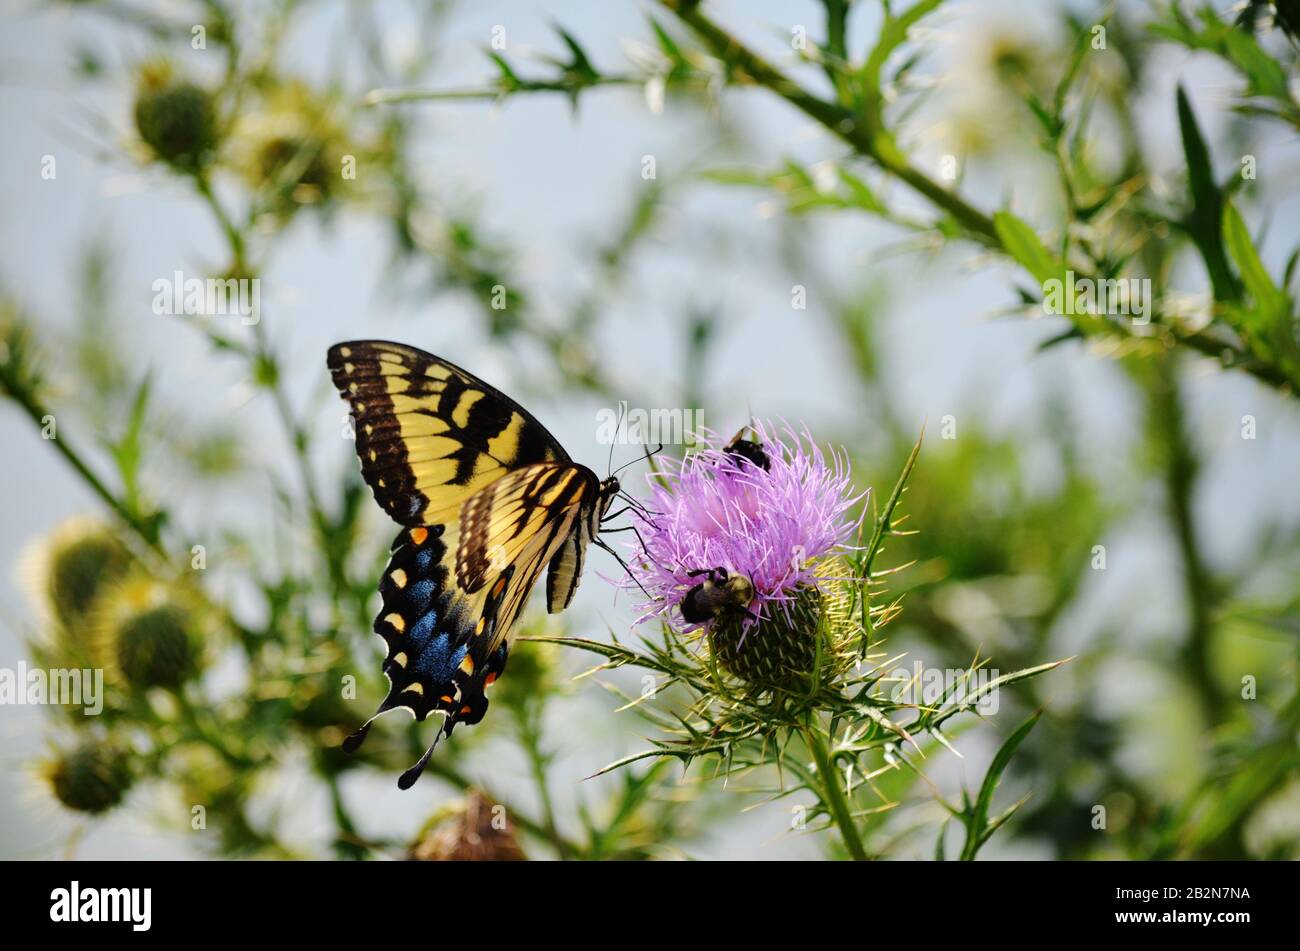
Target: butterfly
[{"x": 487, "y": 499}]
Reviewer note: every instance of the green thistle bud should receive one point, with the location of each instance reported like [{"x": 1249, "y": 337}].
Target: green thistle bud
[
  {"x": 92, "y": 778},
  {"x": 82, "y": 559},
  {"x": 176, "y": 118},
  {"x": 782, "y": 650},
  {"x": 155, "y": 648},
  {"x": 476, "y": 830}
]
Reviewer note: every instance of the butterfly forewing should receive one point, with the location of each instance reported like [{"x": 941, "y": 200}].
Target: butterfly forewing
[{"x": 429, "y": 434}]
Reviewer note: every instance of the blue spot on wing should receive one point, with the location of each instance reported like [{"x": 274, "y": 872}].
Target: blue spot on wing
[
  {"x": 422, "y": 628},
  {"x": 433, "y": 647},
  {"x": 436, "y": 656},
  {"x": 421, "y": 594}
]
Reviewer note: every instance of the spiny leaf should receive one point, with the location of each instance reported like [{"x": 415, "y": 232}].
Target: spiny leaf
[
  {"x": 978, "y": 827},
  {"x": 1203, "y": 222}
]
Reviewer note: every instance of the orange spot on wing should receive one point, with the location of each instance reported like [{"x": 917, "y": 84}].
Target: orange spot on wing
[{"x": 419, "y": 535}]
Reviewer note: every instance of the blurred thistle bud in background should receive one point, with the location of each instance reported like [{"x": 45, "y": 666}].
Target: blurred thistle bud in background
[
  {"x": 175, "y": 118},
  {"x": 293, "y": 148},
  {"x": 534, "y": 667},
  {"x": 93, "y": 778},
  {"x": 148, "y": 635},
  {"x": 473, "y": 830},
  {"x": 76, "y": 564}
]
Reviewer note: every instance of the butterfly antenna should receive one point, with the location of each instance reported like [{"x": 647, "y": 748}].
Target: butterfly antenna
[
  {"x": 649, "y": 455},
  {"x": 617, "y": 423}
]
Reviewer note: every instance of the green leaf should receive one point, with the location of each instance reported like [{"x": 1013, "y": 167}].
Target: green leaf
[
  {"x": 1203, "y": 222},
  {"x": 861, "y": 193},
  {"x": 973, "y": 697},
  {"x": 1022, "y": 243},
  {"x": 666, "y": 43},
  {"x": 1266, "y": 295},
  {"x": 978, "y": 825},
  {"x": 128, "y": 451},
  {"x": 580, "y": 64},
  {"x": 1264, "y": 74}
]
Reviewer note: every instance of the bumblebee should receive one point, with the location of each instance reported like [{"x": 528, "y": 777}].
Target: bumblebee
[
  {"x": 748, "y": 449},
  {"x": 720, "y": 592}
]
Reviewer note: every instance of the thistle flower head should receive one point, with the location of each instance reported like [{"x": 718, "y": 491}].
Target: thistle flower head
[
  {"x": 293, "y": 145},
  {"x": 718, "y": 514},
  {"x": 69, "y": 572},
  {"x": 718, "y": 509}
]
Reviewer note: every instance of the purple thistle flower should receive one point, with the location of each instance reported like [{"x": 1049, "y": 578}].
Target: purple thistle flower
[{"x": 716, "y": 509}]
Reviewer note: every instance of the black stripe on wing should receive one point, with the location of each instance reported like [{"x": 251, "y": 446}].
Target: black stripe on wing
[{"x": 429, "y": 433}]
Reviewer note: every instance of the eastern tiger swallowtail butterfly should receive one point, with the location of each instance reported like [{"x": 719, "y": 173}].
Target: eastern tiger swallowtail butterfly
[{"x": 487, "y": 498}]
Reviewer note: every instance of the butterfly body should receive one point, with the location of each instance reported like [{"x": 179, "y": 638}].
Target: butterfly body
[{"x": 488, "y": 500}]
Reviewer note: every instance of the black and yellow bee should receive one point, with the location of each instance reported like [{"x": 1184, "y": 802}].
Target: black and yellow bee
[
  {"x": 487, "y": 499},
  {"x": 748, "y": 449},
  {"x": 721, "y": 592}
]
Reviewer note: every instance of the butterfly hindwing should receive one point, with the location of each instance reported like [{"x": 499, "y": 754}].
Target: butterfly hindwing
[
  {"x": 429, "y": 434},
  {"x": 439, "y": 656},
  {"x": 566, "y": 565}
]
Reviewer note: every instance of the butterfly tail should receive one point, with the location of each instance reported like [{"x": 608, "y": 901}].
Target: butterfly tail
[
  {"x": 408, "y": 778},
  {"x": 353, "y": 742}
]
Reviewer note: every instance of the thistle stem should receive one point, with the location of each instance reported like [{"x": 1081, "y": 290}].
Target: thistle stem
[
  {"x": 346, "y": 845},
  {"x": 530, "y": 733},
  {"x": 831, "y": 795},
  {"x": 23, "y": 397}
]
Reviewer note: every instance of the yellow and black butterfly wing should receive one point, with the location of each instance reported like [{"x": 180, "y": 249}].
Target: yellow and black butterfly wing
[
  {"x": 452, "y": 592},
  {"x": 517, "y": 525},
  {"x": 429, "y": 434},
  {"x": 565, "y": 571}
]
